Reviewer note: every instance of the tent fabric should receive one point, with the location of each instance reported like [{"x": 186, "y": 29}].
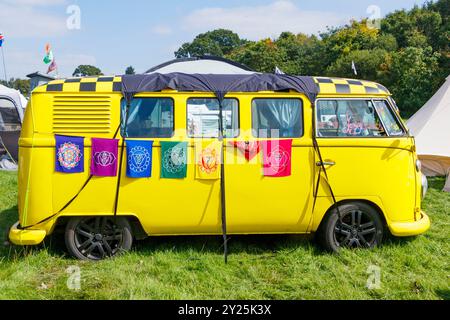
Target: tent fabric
[
  {"x": 220, "y": 85},
  {"x": 19, "y": 100},
  {"x": 201, "y": 65},
  {"x": 431, "y": 131}
]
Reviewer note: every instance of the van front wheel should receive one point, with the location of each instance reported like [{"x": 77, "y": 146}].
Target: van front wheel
[
  {"x": 360, "y": 226},
  {"x": 95, "y": 238}
]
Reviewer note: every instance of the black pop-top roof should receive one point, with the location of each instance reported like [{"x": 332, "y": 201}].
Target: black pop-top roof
[{"x": 218, "y": 84}]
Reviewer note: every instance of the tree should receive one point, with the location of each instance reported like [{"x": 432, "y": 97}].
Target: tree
[
  {"x": 369, "y": 64},
  {"x": 87, "y": 70},
  {"x": 412, "y": 77},
  {"x": 23, "y": 85},
  {"x": 262, "y": 56},
  {"x": 130, "y": 70},
  {"x": 218, "y": 42}
]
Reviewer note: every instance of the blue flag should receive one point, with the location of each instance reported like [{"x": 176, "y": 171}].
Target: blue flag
[
  {"x": 69, "y": 154},
  {"x": 139, "y": 158}
]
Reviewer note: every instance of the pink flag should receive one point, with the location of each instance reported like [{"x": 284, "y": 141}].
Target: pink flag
[
  {"x": 277, "y": 158},
  {"x": 104, "y": 157}
]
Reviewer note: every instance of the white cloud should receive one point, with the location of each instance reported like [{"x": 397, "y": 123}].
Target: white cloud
[
  {"x": 161, "y": 30},
  {"x": 263, "y": 21},
  {"x": 22, "y": 19}
]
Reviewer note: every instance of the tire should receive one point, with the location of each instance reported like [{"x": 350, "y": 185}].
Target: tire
[
  {"x": 361, "y": 227},
  {"x": 96, "y": 238}
]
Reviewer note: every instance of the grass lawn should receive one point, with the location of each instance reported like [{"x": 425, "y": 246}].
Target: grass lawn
[{"x": 260, "y": 267}]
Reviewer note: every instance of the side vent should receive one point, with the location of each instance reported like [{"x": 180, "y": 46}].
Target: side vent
[{"x": 81, "y": 114}]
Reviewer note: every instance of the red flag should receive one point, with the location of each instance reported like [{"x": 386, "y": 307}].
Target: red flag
[
  {"x": 277, "y": 158},
  {"x": 52, "y": 66},
  {"x": 249, "y": 148}
]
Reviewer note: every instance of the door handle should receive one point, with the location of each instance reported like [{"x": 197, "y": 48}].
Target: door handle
[{"x": 325, "y": 163}]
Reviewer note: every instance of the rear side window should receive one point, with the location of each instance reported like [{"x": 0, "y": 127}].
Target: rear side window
[
  {"x": 277, "y": 118},
  {"x": 203, "y": 117},
  {"x": 148, "y": 118},
  {"x": 355, "y": 118}
]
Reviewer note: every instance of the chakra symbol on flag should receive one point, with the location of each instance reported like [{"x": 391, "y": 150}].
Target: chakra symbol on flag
[
  {"x": 104, "y": 158},
  {"x": 69, "y": 155},
  {"x": 139, "y": 159},
  {"x": 278, "y": 159},
  {"x": 174, "y": 159},
  {"x": 209, "y": 160}
]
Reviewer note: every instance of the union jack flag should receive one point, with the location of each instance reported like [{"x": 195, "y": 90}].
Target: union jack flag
[{"x": 2, "y": 38}]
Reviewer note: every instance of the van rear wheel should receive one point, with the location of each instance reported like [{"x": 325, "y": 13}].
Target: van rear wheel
[
  {"x": 360, "y": 227},
  {"x": 96, "y": 238}
]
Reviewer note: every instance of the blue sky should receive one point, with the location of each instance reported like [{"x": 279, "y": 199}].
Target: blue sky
[{"x": 116, "y": 34}]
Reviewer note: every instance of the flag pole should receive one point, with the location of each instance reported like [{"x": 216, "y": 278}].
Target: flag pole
[{"x": 4, "y": 65}]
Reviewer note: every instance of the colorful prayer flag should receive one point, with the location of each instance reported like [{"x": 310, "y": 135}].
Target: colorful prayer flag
[
  {"x": 249, "y": 148},
  {"x": 69, "y": 154},
  {"x": 277, "y": 158},
  {"x": 173, "y": 159},
  {"x": 139, "y": 158},
  {"x": 104, "y": 157},
  {"x": 207, "y": 159}
]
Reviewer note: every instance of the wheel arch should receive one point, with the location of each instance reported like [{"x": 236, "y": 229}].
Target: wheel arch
[
  {"x": 137, "y": 230},
  {"x": 351, "y": 201}
]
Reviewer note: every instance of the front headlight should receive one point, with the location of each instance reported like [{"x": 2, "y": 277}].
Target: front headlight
[
  {"x": 418, "y": 165},
  {"x": 424, "y": 186}
]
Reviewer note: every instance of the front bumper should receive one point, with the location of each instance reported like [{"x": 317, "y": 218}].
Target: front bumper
[
  {"x": 406, "y": 229},
  {"x": 26, "y": 237}
]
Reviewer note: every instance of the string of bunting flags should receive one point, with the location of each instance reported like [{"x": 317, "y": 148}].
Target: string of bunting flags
[{"x": 70, "y": 154}]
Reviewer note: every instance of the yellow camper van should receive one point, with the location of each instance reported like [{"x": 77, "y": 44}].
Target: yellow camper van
[{"x": 351, "y": 174}]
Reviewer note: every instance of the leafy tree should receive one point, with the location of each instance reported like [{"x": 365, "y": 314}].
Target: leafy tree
[
  {"x": 356, "y": 36},
  {"x": 369, "y": 64},
  {"x": 87, "y": 70},
  {"x": 218, "y": 42},
  {"x": 262, "y": 56},
  {"x": 412, "y": 77},
  {"x": 23, "y": 85},
  {"x": 130, "y": 70}
]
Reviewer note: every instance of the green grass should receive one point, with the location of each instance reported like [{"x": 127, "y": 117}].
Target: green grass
[{"x": 260, "y": 267}]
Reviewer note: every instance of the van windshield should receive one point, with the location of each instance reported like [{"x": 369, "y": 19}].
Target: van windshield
[{"x": 355, "y": 118}]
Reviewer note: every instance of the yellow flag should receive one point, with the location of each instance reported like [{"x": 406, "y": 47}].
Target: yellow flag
[{"x": 207, "y": 159}]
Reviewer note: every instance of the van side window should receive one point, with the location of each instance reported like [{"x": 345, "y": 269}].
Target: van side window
[
  {"x": 350, "y": 118},
  {"x": 203, "y": 117},
  {"x": 148, "y": 118},
  {"x": 277, "y": 118}
]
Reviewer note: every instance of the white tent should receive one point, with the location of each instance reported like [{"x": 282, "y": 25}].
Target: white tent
[
  {"x": 431, "y": 129},
  {"x": 16, "y": 97},
  {"x": 203, "y": 64}
]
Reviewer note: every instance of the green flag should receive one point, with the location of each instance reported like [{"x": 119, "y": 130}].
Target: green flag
[
  {"x": 173, "y": 160},
  {"x": 48, "y": 57}
]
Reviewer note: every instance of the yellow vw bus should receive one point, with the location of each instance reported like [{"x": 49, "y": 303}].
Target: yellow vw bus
[{"x": 353, "y": 172}]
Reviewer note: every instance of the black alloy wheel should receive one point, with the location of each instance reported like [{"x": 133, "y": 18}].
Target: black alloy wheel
[{"x": 96, "y": 238}]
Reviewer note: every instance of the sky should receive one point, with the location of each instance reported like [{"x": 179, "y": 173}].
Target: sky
[{"x": 143, "y": 33}]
